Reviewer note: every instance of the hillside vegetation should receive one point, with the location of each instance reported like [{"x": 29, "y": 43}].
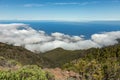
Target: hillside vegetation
[
  {"x": 59, "y": 56},
  {"x": 91, "y": 64},
  {"x": 98, "y": 64},
  {"x": 17, "y": 63},
  {"x": 20, "y": 54}
]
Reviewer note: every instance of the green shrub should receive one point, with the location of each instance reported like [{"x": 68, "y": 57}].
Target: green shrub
[
  {"x": 87, "y": 70},
  {"x": 30, "y": 72}
]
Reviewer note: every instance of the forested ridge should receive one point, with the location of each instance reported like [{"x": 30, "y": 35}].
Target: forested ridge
[{"x": 91, "y": 64}]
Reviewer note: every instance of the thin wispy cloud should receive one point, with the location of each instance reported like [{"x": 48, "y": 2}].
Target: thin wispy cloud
[
  {"x": 76, "y": 3},
  {"x": 90, "y": 3},
  {"x": 34, "y": 5},
  {"x": 60, "y": 4},
  {"x": 72, "y": 3}
]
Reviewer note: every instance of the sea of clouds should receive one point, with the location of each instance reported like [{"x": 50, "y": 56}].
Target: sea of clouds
[{"x": 20, "y": 34}]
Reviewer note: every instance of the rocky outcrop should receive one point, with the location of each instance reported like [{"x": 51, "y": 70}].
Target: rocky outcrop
[{"x": 62, "y": 74}]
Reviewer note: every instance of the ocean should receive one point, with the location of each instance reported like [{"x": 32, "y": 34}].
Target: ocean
[{"x": 72, "y": 28}]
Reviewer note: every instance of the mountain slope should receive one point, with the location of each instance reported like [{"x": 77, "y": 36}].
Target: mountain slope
[
  {"x": 91, "y": 64},
  {"x": 59, "y": 56},
  {"x": 19, "y": 54}
]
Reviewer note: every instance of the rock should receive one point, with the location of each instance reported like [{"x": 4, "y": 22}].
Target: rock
[{"x": 62, "y": 74}]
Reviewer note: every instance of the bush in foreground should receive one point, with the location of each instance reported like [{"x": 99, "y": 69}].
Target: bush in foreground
[{"x": 30, "y": 72}]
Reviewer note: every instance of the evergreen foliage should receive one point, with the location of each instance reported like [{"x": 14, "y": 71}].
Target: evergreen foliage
[{"x": 98, "y": 64}]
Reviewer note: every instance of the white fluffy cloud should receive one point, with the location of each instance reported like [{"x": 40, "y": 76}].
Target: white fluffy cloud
[{"x": 20, "y": 34}]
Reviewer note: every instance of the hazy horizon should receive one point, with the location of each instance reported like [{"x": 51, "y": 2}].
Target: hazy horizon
[{"x": 63, "y": 10}]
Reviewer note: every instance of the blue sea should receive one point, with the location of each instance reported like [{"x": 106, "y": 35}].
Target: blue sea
[{"x": 72, "y": 28}]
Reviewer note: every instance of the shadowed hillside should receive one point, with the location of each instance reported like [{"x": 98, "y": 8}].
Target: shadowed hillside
[
  {"x": 19, "y": 54},
  {"x": 59, "y": 56}
]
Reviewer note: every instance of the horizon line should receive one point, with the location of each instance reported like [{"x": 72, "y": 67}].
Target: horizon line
[{"x": 62, "y": 20}]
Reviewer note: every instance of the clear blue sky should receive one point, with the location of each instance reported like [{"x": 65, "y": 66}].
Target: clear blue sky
[{"x": 70, "y": 10}]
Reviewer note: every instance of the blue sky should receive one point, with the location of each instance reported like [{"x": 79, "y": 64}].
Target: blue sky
[{"x": 67, "y": 10}]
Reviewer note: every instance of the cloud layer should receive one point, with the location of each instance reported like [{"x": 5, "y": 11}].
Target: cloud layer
[{"x": 20, "y": 34}]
